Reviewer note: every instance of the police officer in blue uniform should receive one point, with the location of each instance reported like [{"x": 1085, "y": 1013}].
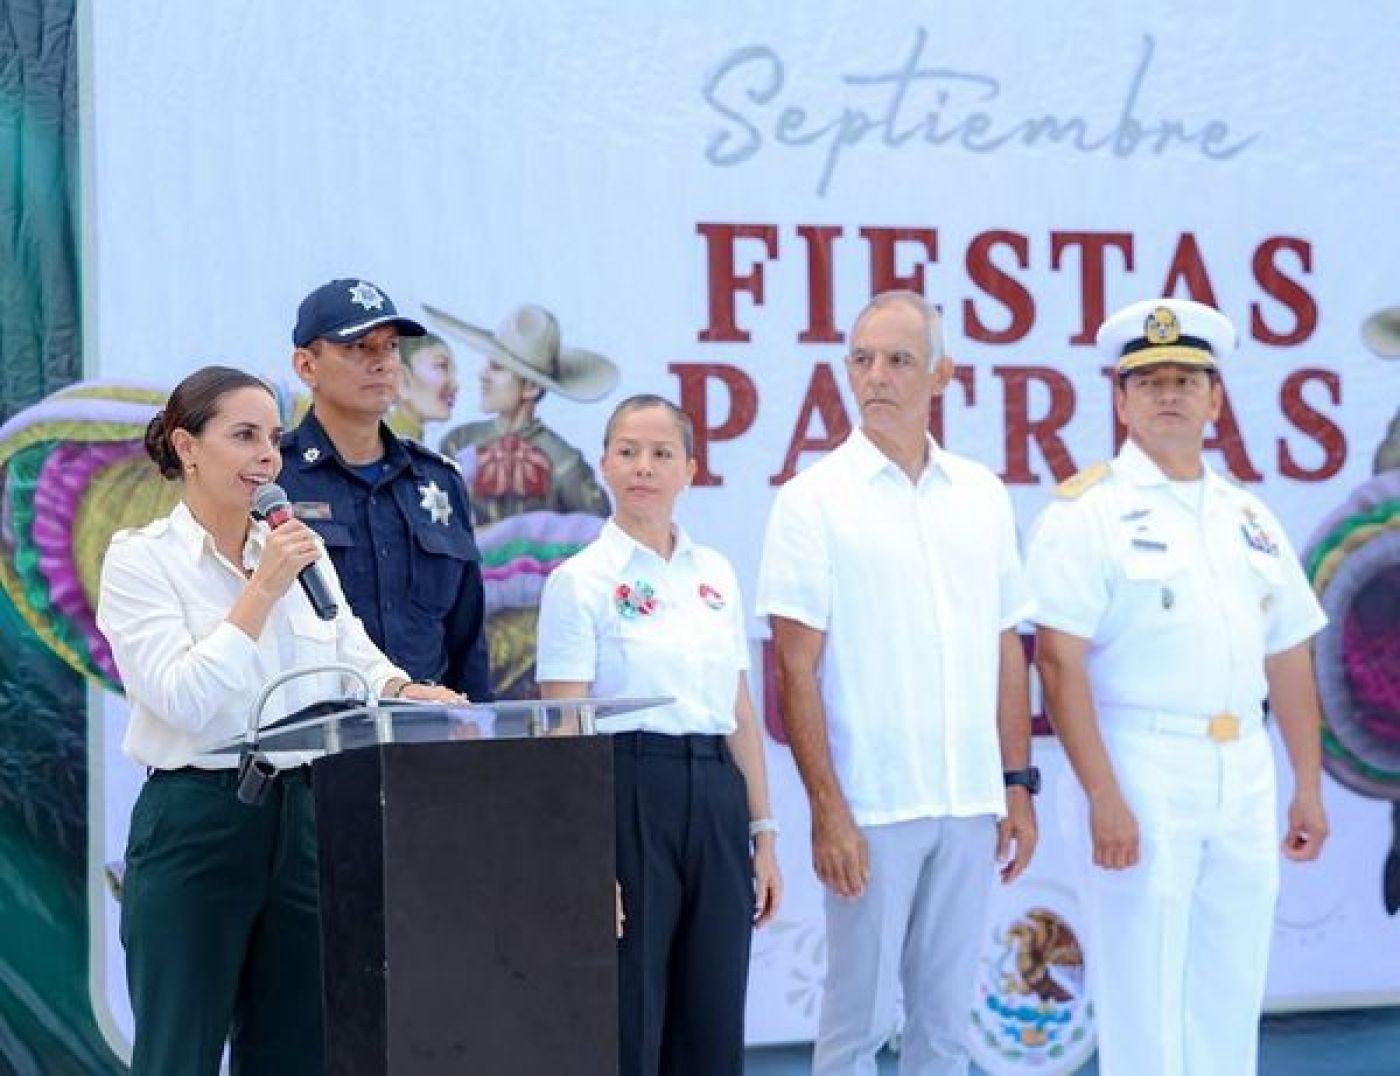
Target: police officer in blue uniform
[{"x": 395, "y": 515}]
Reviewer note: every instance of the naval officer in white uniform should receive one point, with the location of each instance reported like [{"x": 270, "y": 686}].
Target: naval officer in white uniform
[{"x": 1169, "y": 606}]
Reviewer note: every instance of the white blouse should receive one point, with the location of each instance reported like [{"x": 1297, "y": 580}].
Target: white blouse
[
  {"x": 191, "y": 676},
  {"x": 631, "y": 624}
]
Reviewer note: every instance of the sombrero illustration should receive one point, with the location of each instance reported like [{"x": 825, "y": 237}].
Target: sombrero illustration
[
  {"x": 1381, "y": 331},
  {"x": 529, "y": 343}
]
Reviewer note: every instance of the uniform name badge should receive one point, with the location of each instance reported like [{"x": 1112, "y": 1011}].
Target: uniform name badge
[{"x": 312, "y": 510}]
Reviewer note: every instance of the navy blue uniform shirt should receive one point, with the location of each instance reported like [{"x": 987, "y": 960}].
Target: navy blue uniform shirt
[{"x": 399, "y": 533}]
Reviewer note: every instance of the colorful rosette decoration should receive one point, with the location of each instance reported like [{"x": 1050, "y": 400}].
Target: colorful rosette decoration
[
  {"x": 1353, "y": 561},
  {"x": 517, "y": 555},
  {"x": 634, "y": 599},
  {"x": 73, "y": 471}
]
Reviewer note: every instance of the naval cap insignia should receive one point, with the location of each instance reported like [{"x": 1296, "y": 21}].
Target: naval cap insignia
[{"x": 1161, "y": 327}]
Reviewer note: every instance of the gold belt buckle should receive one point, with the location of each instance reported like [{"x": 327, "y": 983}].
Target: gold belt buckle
[{"x": 1223, "y": 728}]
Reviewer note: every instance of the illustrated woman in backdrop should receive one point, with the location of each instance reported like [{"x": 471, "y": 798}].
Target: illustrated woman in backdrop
[
  {"x": 430, "y": 385},
  {"x": 219, "y": 903},
  {"x": 644, "y": 611}
]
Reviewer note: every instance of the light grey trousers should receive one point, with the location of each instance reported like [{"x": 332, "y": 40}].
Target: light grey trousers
[{"x": 918, "y": 926}]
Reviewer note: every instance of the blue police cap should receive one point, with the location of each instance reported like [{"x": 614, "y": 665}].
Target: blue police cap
[{"x": 345, "y": 310}]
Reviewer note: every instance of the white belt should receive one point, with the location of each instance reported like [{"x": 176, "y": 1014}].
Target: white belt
[
  {"x": 1221, "y": 727},
  {"x": 283, "y": 760}
]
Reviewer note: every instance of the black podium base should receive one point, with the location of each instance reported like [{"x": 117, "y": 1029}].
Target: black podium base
[{"x": 467, "y": 908}]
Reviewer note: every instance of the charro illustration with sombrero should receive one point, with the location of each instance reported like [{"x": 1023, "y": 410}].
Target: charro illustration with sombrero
[
  {"x": 536, "y": 499},
  {"x": 513, "y": 462}
]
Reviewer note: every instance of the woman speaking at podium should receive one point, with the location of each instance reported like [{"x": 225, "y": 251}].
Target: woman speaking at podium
[
  {"x": 644, "y": 611},
  {"x": 219, "y": 901}
]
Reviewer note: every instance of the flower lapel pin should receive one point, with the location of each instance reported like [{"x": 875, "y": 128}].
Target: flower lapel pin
[
  {"x": 636, "y": 600},
  {"x": 711, "y": 597}
]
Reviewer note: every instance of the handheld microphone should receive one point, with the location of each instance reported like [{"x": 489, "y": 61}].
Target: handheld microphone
[{"x": 270, "y": 504}]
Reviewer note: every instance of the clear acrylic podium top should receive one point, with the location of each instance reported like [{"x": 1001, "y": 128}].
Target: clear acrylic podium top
[{"x": 340, "y": 725}]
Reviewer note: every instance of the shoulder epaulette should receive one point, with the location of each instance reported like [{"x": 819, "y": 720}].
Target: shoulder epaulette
[{"x": 1077, "y": 485}]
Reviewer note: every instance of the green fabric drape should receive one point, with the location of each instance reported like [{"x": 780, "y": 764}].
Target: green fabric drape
[{"x": 46, "y": 1019}]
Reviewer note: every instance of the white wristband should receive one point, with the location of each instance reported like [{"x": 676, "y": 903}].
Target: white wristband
[{"x": 763, "y": 825}]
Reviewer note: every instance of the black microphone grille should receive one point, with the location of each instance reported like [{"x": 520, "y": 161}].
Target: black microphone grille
[{"x": 269, "y": 498}]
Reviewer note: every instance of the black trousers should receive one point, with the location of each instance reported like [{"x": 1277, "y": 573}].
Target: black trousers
[
  {"x": 687, "y": 890},
  {"x": 221, "y": 923}
]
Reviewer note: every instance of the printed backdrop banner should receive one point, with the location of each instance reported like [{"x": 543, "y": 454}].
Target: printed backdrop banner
[{"x": 706, "y": 194}]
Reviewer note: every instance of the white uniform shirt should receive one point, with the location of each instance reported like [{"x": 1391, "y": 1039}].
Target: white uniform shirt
[
  {"x": 1181, "y": 593},
  {"x": 191, "y": 677},
  {"x": 627, "y": 622},
  {"x": 912, "y": 583}
]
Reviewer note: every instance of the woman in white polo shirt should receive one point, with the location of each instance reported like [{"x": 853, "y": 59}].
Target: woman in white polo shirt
[
  {"x": 644, "y": 611},
  {"x": 220, "y": 915}
]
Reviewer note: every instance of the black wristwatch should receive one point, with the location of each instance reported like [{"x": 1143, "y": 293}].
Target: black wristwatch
[{"x": 1029, "y": 779}]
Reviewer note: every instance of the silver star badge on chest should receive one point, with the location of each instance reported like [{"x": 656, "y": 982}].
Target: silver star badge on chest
[
  {"x": 312, "y": 454},
  {"x": 436, "y": 503}
]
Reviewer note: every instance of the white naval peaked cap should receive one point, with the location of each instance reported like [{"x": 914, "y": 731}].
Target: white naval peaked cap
[{"x": 1152, "y": 332}]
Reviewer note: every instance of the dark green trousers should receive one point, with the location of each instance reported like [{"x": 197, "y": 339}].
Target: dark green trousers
[{"x": 221, "y": 926}]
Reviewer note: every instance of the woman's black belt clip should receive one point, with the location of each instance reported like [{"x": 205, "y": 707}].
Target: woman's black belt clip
[{"x": 256, "y": 775}]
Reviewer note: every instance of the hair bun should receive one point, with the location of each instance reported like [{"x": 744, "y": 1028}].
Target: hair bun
[{"x": 158, "y": 447}]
